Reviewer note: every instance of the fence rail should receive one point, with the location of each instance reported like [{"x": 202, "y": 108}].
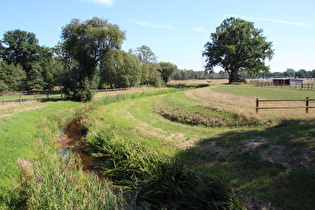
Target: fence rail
[
  {"x": 24, "y": 96},
  {"x": 306, "y": 86},
  {"x": 306, "y": 107}
]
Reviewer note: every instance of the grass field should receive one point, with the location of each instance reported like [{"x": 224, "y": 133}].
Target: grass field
[
  {"x": 262, "y": 161},
  {"x": 267, "y": 158}
]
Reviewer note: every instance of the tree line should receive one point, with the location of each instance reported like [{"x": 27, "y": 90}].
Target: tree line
[
  {"x": 88, "y": 57},
  {"x": 184, "y": 74}
]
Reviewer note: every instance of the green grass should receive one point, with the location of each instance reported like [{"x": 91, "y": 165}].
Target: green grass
[
  {"x": 271, "y": 163},
  {"x": 17, "y": 140},
  {"x": 264, "y": 92},
  {"x": 252, "y": 159}
]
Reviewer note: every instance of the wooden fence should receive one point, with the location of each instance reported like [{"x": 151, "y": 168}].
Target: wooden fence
[
  {"x": 24, "y": 96},
  {"x": 307, "y": 86},
  {"x": 306, "y": 107}
]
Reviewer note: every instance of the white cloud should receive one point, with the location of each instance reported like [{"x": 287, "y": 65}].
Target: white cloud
[
  {"x": 199, "y": 29},
  {"x": 272, "y": 20},
  {"x": 280, "y": 21},
  {"x": 103, "y": 2},
  {"x": 167, "y": 26}
]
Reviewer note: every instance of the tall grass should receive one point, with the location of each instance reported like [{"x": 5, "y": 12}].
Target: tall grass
[
  {"x": 57, "y": 181},
  {"x": 175, "y": 186},
  {"x": 123, "y": 159}
]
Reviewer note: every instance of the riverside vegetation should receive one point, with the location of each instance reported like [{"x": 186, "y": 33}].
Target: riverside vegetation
[{"x": 200, "y": 159}]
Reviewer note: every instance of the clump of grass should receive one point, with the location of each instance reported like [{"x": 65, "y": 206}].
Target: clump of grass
[
  {"x": 122, "y": 159},
  {"x": 62, "y": 185},
  {"x": 175, "y": 186}
]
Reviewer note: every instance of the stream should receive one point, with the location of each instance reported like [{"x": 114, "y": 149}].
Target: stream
[{"x": 71, "y": 137}]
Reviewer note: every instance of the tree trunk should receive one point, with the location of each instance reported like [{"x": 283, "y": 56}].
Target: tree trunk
[{"x": 233, "y": 76}]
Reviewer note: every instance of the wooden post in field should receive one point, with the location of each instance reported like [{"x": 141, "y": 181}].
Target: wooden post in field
[
  {"x": 257, "y": 105},
  {"x": 307, "y": 103},
  {"x": 20, "y": 99},
  {"x": 47, "y": 95},
  {"x": 34, "y": 97},
  {"x": 3, "y": 101}
]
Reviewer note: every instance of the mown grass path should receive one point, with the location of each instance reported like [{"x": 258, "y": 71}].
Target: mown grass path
[{"x": 138, "y": 114}]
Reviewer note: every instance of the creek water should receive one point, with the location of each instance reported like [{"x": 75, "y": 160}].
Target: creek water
[{"x": 71, "y": 141}]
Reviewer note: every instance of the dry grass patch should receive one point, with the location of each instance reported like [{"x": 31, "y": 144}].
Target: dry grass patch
[{"x": 245, "y": 106}]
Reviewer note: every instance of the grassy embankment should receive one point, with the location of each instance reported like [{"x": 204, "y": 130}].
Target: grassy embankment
[
  {"x": 268, "y": 158},
  {"x": 17, "y": 139},
  {"x": 267, "y": 163},
  {"x": 146, "y": 163},
  {"x": 34, "y": 173}
]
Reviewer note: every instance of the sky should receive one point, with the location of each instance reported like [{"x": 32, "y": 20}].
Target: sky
[{"x": 175, "y": 30}]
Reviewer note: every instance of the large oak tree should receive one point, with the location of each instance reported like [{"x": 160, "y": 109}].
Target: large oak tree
[
  {"x": 238, "y": 46},
  {"x": 85, "y": 44}
]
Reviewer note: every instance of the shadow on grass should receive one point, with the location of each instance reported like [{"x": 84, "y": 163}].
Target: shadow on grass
[{"x": 274, "y": 165}]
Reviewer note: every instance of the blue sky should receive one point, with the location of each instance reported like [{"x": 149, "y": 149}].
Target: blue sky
[{"x": 175, "y": 30}]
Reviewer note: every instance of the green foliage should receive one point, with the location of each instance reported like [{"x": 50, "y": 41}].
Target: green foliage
[
  {"x": 145, "y": 55},
  {"x": 175, "y": 186},
  {"x": 120, "y": 69},
  {"x": 85, "y": 44},
  {"x": 20, "y": 48},
  {"x": 11, "y": 77},
  {"x": 80, "y": 88},
  {"x": 155, "y": 79},
  {"x": 238, "y": 46},
  {"x": 167, "y": 70}
]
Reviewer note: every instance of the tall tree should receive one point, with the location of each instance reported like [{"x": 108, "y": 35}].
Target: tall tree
[
  {"x": 11, "y": 77},
  {"x": 120, "y": 69},
  {"x": 167, "y": 70},
  {"x": 21, "y": 48},
  {"x": 145, "y": 54},
  {"x": 238, "y": 46},
  {"x": 85, "y": 43}
]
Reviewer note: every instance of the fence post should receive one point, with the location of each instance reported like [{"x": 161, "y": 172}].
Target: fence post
[
  {"x": 34, "y": 97},
  {"x": 3, "y": 101},
  {"x": 307, "y": 103},
  {"x": 257, "y": 105},
  {"x": 20, "y": 99}
]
